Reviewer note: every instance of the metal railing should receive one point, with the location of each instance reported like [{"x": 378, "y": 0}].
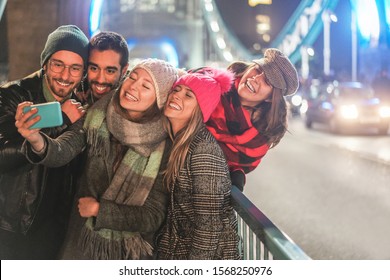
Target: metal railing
[{"x": 260, "y": 238}]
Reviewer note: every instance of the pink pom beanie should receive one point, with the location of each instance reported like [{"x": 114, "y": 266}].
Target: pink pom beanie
[{"x": 208, "y": 86}]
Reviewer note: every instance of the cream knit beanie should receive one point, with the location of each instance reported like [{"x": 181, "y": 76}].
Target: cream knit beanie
[{"x": 163, "y": 75}]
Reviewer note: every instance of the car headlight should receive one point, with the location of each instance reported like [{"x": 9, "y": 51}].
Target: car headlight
[
  {"x": 384, "y": 112},
  {"x": 296, "y": 100},
  {"x": 349, "y": 112},
  {"x": 304, "y": 107}
]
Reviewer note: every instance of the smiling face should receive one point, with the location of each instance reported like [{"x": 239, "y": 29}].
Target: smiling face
[
  {"x": 137, "y": 93},
  {"x": 104, "y": 71},
  {"x": 62, "y": 82},
  {"x": 180, "y": 107},
  {"x": 253, "y": 87}
]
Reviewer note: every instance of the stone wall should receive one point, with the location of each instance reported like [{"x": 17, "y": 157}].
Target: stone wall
[{"x": 30, "y": 22}]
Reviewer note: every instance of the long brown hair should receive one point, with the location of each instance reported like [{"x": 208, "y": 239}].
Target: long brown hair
[
  {"x": 269, "y": 118},
  {"x": 181, "y": 144}
]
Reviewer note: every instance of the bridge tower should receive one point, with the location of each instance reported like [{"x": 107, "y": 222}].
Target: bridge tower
[{"x": 166, "y": 29}]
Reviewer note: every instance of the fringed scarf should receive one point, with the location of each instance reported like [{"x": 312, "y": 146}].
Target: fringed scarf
[
  {"x": 240, "y": 141},
  {"x": 131, "y": 182}
]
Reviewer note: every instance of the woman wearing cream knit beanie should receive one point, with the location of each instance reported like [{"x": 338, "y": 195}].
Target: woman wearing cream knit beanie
[{"x": 122, "y": 201}]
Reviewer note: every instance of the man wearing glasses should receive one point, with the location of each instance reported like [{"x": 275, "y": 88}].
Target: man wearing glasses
[{"x": 35, "y": 200}]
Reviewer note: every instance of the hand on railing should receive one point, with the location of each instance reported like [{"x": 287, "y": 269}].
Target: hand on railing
[{"x": 238, "y": 179}]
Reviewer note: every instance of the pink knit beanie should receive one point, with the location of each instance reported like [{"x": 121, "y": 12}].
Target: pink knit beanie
[{"x": 208, "y": 86}]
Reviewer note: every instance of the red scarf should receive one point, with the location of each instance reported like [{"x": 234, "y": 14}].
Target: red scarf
[{"x": 240, "y": 141}]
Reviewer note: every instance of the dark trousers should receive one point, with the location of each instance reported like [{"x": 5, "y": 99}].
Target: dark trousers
[{"x": 42, "y": 243}]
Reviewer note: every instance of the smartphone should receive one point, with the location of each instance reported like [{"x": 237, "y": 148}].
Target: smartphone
[{"x": 50, "y": 113}]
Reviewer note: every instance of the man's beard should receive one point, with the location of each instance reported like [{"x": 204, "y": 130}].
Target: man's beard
[
  {"x": 61, "y": 93},
  {"x": 109, "y": 85}
]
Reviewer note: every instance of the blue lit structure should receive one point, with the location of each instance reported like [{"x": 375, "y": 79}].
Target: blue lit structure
[
  {"x": 308, "y": 12},
  {"x": 290, "y": 40},
  {"x": 387, "y": 12},
  {"x": 2, "y": 7},
  {"x": 301, "y": 30},
  {"x": 162, "y": 48},
  {"x": 94, "y": 16},
  {"x": 367, "y": 20}
]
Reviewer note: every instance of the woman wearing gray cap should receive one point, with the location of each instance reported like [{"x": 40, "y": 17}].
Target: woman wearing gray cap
[{"x": 252, "y": 117}]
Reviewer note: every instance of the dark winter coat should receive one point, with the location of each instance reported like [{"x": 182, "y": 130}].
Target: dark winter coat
[{"x": 35, "y": 200}]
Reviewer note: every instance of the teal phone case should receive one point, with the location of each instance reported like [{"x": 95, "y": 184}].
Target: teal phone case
[{"x": 50, "y": 113}]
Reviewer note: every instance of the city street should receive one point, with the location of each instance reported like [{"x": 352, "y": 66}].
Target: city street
[{"x": 329, "y": 193}]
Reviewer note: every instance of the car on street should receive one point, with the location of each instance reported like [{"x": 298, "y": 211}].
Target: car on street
[
  {"x": 294, "y": 103},
  {"x": 346, "y": 106}
]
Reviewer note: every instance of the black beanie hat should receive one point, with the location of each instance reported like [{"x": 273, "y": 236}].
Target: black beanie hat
[{"x": 66, "y": 38}]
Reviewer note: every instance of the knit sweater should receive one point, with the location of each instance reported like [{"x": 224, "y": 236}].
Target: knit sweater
[{"x": 201, "y": 223}]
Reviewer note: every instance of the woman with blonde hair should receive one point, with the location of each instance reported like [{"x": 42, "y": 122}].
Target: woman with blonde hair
[{"x": 201, "y": 223}]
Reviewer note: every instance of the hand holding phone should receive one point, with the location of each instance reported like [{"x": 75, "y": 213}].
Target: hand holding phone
[
  {"x": 50, "y": 113},
  {"x": 73, "y": 110}
]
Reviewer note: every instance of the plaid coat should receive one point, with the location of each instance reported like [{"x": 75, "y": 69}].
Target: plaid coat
[{"x": 201, "y": 223}]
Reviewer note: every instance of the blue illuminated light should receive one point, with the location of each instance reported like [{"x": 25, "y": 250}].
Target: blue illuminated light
[
  {"x": 94, "y": 16},
  {"x": 367, "y": 18},
  {"x": 170, "y": 51},
  {"x": 161, "y": 48},
  {"x": 373, "y": 101},
  {"x": 387, "y": 11},
  {"x": 327, "y": 106},
  {"x": 166, "y": 46}
]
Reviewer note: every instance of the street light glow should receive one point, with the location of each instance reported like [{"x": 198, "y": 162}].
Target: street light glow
[
  {"x": 228, "y": 56},
  {"x": 254, "y": 3},
  {"x": 367, "y": 19},
  {"x": 208, "y": 6},
  {"x": 214, "y": 26},
  {"x": 221, "y": 43},
  {"x": 310, "y": 51},
  {"x": 333, "y": 17}
]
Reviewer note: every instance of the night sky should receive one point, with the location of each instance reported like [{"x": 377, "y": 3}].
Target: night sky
[{"x": 240, "y": 18}]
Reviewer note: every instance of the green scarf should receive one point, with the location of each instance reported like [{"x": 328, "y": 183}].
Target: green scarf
[
  {"x": 132, "y": 180},
  {"x": 47, "y": 93}
]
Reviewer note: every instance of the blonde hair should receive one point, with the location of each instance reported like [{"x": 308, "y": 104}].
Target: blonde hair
[{"x": 181, "y": 144}]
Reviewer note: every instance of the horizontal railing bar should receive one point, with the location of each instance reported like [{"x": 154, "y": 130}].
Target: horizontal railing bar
[{"x": 279, "y": 244}]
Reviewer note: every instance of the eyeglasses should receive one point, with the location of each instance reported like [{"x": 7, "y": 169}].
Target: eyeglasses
[{"x": 58, "y": 67}]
